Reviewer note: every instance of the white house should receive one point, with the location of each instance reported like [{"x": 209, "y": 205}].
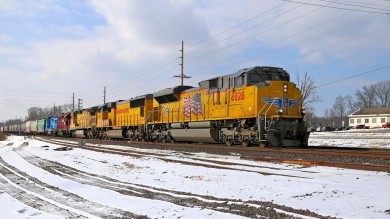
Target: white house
[{"x": 372, "y": 117}]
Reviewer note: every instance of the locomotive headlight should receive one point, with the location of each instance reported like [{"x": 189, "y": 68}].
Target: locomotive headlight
[
  {"x": 303, "y": 111},
  {"x": 280, "y": 111},
  {"x": 285, "y": 88}
]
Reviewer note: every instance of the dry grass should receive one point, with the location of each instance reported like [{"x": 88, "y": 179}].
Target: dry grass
[{"x": 2, "y": 137}]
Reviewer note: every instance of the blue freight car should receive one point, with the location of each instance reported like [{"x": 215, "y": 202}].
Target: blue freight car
[{"x": 51, "y": 125}]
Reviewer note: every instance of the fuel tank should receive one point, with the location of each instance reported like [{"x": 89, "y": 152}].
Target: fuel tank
[
  {"x": 114, "y": 133},
  {"x": 195, "y": 135},
  {"x": 80, "y": 134}
]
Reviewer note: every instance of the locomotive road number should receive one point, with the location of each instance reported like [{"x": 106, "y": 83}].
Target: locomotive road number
[{"x": 239, "y": 95}]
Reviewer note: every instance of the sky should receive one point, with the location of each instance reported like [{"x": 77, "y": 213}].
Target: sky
[{"x": 50, "y": 49}]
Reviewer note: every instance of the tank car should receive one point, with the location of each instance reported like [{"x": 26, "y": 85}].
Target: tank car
[
  {"x": 28, "y": 127},
  {"x": 34, "y": 127},
  {"x": 23, "y": 128}
]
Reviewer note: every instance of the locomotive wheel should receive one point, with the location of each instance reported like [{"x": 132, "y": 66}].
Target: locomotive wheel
[
  {"x": 229, "y": 142},
  {"x": 245, "y": 143}
]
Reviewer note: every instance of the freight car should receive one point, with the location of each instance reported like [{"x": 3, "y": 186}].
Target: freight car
[
  {"x": 34, "y": 127},
  {"x": 23, "y": 128},
  {"x": 28, "y": 127},
  {"x": 41, "y": 126}
]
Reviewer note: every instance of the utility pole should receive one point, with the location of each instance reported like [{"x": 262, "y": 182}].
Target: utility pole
[
  {"x": 182, "y": 75},
  {"x": 73, "y": 103},
  {"x": 80, "y": 104},
  {"x": 104, "y": 95}
]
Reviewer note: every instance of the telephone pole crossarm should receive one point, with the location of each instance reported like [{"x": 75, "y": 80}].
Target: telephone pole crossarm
[{"x": 182, "y": 75}]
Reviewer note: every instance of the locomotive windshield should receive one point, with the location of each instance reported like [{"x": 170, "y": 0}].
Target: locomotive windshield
[{"x": 258, "y": 76}]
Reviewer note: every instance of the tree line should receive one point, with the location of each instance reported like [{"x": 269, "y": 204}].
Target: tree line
[
  {"x": 35, "y": 113},
  {"x": 371, "y": 96}
]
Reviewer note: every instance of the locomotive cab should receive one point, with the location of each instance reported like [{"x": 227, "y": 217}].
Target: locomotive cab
[{"x": 256, "y": 75}]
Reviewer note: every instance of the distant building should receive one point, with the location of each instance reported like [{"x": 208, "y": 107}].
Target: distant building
[{"x": 372, "y": 117}]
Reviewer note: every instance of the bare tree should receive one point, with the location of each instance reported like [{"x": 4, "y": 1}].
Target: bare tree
[
  {"x": 352, "y": 106},
  {"x": 34, "y": 113},
  {"x": 339, "y": 109},
  {"x": 308, "y": 90},
  {"x": 367, "y": 96},
  {"x": 382, "y": 93}
]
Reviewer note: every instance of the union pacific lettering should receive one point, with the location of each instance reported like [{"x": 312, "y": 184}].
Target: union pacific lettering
[{"x": 123, "y": 111}]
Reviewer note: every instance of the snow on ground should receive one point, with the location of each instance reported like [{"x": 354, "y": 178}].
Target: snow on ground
[
  {"x": 341, "y": 193},
  {"x": 366, "y": 138},
  {"x": 12, "y": 208}
]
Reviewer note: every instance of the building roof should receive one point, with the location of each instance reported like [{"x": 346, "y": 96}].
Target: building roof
[{"x": 372, "y": 111}]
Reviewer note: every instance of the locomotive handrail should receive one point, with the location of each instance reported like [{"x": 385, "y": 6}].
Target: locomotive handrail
[
  {"x": 258, "y": 115},
  {"x": 265, "y": 116}
]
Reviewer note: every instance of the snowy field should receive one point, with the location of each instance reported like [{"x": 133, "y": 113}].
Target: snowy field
[
  {"x": 366, "y": 138},
  {"x": 37, "y": 181}
]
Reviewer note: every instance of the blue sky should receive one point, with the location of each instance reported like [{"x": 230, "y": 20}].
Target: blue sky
[{"x": 52, "y": 48}]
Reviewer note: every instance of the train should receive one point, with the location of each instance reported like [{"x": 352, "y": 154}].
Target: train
[{"x": 253, "y": 106}]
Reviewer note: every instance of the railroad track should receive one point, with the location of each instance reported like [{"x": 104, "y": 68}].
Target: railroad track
[
  {"x": 37, "y": 194},
  {"x": 349, "y": 158},
  {"x": 246, "y": 208},
  {"x": 323, "y": 150}
]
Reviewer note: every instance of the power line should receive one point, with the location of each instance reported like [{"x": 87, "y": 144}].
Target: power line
[
  {"x": 354, "y": 5},
  {"x": 327, "y": 6},
  {"x": 237, "y": 25},
  {"x": 263, "y": 32},
  {"x": 199, "y": 57},
  {"x": 118, "y": 88},
  {"x": 246, "y": 21},
  {"x": 354, "y": 76},
  {"x": 305, "y": 40}
]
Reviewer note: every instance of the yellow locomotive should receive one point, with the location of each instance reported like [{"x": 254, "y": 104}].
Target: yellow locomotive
[{"x": 257, "y": 105}]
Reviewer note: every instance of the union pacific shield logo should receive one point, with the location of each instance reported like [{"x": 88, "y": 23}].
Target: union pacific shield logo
[{"x": 281, "y": 102}]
